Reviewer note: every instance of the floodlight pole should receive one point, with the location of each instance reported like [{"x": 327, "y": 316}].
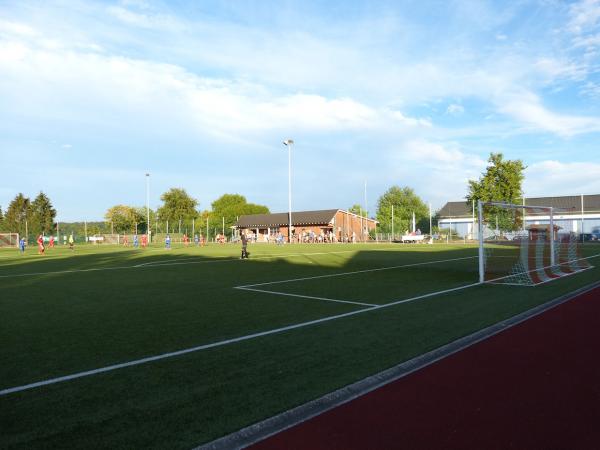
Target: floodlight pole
[
  {"x": 148, "y": 207},
  {"x": 289, "y": 143}
]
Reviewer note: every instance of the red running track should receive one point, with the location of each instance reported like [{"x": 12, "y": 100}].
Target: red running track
[{"x": 533, "y": 386}]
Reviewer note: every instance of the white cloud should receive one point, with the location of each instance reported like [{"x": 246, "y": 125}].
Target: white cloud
[
  {"x": 439, "y": 171},
  {"x": 16, "y": 28},
  {"x": 589, "y": 42},
  {"x": 145, "y": 20},
  {"x": 528, "y": 109},
  {"x": 164, "y": 93},
  {"x": 411, "y": 121},
  {"x": 455, "y": 110},
  {"x": 584, "y": 15},
  {"x": 553, "y": 68},
  {"x": 562, "y": 178}
]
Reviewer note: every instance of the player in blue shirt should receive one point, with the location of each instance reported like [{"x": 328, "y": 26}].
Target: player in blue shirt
[
  {"x": 196, "y": 240},
  {"x": 168, "y": 242},
  {"x": 22, "y": 245},
  {"x": 135, "y": 240}
]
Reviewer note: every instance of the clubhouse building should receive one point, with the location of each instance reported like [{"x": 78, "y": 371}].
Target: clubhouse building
[
  {"x": 576, "y": 213},
  {"x": 325, "y": 225}
]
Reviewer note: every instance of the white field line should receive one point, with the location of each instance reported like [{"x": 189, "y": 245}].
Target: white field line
[
  {"x": 158, "y": 264},
  {"x": 304, "y": 296},
  {"x": 355, "y": 272},
  {"x": 162, "y": 356}
]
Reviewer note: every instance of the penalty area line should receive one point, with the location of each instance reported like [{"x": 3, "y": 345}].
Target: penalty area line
[
  {"x": 287, "y": 294},
  {"x": 162, "y": 356},
  {"x": 357, "y": 271}
]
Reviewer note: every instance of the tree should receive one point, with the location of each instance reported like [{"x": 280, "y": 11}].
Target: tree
[
  {"x": 42, "y": 215},
  {"x": 142, "y": 214},
  {"x": 178, "y": 205},
  {"x": 356, "y": 209},
  {"x": 123, "y": 218},
  {"x": 230, "y": 207},
  {"x": 405, "y": 203},
  {"x": 501, "y": 182},
  {"x": 1, "y": 219},
  {"x": 17, "y": 214}
]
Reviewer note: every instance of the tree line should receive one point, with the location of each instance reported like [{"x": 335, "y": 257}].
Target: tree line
[
  {"x": 28, "y": 217},
  {"x": 179, "y": 211}
]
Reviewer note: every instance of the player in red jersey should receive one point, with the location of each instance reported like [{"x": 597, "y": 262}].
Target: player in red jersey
[
  {"x": 40, "y": 242},
  {"x": 51, "y": 244},
  {"x": 144, "y": 240}
]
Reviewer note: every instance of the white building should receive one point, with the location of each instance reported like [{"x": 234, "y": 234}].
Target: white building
[{"x": 577, "y": 213}]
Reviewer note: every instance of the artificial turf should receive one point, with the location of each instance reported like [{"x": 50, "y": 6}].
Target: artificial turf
[{"x": 60, "y": 316}]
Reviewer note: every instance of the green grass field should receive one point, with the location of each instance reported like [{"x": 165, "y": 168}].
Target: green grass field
[{"x": 70, "y": 312}]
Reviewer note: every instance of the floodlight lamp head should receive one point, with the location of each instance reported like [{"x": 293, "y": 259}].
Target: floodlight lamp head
[{"x": 288, "y": 142}]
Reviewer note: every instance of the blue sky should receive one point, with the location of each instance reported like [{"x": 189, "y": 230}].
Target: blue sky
[{"x": 201, "y": 95}]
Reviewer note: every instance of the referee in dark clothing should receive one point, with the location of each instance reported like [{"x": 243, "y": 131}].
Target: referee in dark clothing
[{"x": 244, "y": 246}]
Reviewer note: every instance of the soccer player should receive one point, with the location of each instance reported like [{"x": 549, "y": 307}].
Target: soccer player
[
  {"x": 71, "y": 241},
  {"x": 125, "y": 241},
  {"x": 244, "y": 247},
  {"x": 168, "y": 242},
  {"x": 22, "y": 244},
  {"x": 40, "y": 242},
  {"x": 51, "y": 244},
  {"x": 196, "y": 240},
  {"x": 135, "y": 241},
  {"x": 144, "y": 240}
]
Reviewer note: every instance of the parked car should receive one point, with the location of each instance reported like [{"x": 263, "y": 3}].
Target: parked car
[{"x": 595, "y": 234}]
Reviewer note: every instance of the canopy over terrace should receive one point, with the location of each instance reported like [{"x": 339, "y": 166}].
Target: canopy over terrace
[{"x": 338, "y": 223}]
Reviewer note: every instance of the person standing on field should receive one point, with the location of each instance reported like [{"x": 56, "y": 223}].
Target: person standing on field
[
  {"x": 71, "y": 241},
  {"x": 40, "y": 242},
  {"x": 22, "y": 244},
  {"x": 244, "y": 246}
]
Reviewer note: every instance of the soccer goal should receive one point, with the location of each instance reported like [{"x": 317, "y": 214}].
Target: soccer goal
[
  {"x": 9, "y": 240},
  {"x": 525, "y": 245}
]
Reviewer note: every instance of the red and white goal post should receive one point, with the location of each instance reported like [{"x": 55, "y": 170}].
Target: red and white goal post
[
  {"x": 9, "y": 240},
  {"x": 524, "y": 245}
]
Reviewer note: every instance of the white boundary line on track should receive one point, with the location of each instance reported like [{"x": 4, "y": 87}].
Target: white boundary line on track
[{"x": 162, "y": 356}]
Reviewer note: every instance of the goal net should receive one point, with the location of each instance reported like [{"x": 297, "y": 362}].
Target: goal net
[
  {"x": 525, "y": 245},
  {"x": 9, "y": 240}
]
